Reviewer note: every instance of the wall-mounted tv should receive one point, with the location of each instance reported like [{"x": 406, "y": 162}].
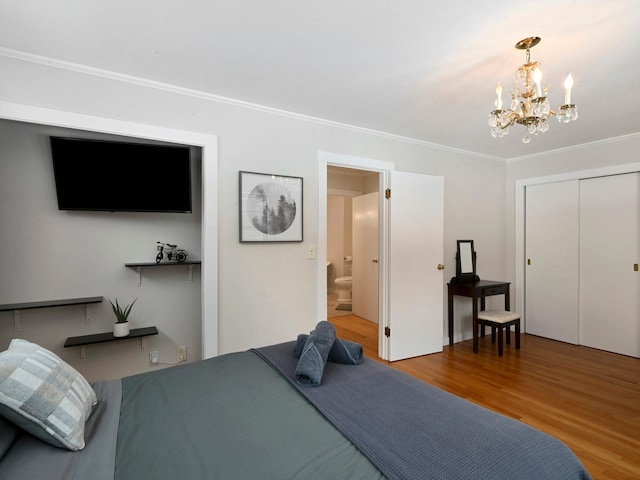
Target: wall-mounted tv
[{"x": 121, "y": 176}]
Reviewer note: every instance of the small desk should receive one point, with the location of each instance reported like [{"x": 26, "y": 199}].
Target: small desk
[{"x": 475, "y": 290}]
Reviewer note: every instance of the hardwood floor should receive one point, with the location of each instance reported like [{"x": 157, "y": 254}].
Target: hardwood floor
[{"x": 588, "y": 398}]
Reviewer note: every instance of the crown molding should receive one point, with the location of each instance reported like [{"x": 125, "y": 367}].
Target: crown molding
[
  {"x": 581, "y": 146},
  {"x": 145, "y": 82}
]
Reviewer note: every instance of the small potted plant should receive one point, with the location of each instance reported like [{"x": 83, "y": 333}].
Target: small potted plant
[{"x": 121, "y": 326}]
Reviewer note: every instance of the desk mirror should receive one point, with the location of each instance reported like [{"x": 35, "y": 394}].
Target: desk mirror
[{"x": 465, "y": 262}]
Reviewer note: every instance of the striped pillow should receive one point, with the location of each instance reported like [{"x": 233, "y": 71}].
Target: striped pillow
[{"x": 44, "y": 395}]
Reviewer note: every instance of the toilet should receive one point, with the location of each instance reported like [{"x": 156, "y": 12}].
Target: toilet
[{"x": 344, "y": 289}]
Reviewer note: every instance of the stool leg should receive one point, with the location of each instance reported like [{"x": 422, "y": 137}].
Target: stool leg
[
  {"x": 500, "y": 347},
  {"x": 493, "y": 334},
  {"x": 518, "y": 335},
  {"x": 508, "y": 332}
]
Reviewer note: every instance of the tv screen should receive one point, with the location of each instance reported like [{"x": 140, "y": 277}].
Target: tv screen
[{"x": 121, "y": 176}]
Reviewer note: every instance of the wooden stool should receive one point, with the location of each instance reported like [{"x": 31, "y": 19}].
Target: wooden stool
[{"x": 500, "y": 320}]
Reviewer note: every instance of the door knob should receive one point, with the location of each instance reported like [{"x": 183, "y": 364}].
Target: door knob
[
  {"x": 440, "y": 266},
  {"x": 375, "y": 260}
]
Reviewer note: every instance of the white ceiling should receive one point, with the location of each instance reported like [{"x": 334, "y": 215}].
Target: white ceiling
[{"x": 413, "y": 68}]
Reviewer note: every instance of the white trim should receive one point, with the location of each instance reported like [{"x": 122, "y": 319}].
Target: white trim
[
  {"x": 520, "y": 216},
  {"x": 382, "y": 167},
  {"x": 581, "y": 146},
  {"x": 342, "y": 160},
  {"x": 209, "y": 145},
  {"x": 120, "y": 77},
  {"x": 343, "y": 193},
  {"x": 98, "y": 72}
]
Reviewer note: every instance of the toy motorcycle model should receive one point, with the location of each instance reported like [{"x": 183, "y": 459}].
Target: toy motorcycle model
[{"x": 172, "y": 252}]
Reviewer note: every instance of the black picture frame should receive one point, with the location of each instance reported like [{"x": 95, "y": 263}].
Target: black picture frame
[{"x": 270, "y": 208}]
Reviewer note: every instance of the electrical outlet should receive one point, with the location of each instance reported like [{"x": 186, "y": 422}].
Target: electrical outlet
[
  {"x": 154, "y": 357},
  {"x": 182, "y": 353}
]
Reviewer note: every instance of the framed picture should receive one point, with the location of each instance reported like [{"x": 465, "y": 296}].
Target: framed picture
[{"x": 270, "y": 208}]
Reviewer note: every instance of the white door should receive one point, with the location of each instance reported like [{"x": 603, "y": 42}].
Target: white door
[
  {"x": 552, "y": 260},
  {"x": 608, "y": 264},
  {"x": 365, "y": 256},
  {"x": 416, "y": 248}
]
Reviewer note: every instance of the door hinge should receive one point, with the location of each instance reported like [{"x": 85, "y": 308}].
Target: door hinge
[
  {"x": 387, "y": 193},
  {"x": 387, "y": 331}
]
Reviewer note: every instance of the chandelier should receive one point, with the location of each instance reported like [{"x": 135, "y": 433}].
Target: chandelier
[{"x": 529, "y": 103}]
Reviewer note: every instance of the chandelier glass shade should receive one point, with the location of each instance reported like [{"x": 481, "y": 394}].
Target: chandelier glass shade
[{"x": 529, "y": 103}]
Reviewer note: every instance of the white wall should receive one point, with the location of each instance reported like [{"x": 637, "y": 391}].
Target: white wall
[
  {"x": 267, "y": 292},
  {"x": 48, "y": 254}
]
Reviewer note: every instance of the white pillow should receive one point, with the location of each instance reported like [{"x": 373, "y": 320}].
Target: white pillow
[{"x": 44, "y": 395}]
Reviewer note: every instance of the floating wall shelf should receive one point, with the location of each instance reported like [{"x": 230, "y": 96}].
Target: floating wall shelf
[
  {"x": 139, "y": 265},
  {"x": 84, "y": 340},
  {"x": 17, "y": 307}
]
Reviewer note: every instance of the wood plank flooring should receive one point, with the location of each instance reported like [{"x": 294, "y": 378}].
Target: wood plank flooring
[{"x": 588, "y": 398}]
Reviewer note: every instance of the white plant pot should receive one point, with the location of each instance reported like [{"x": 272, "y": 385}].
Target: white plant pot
[{"x": 121, "y": 329}]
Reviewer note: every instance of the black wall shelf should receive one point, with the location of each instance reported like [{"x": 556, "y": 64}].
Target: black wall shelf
[
  {"x": 162, "y": 264},
  {"x": 84, "y": 340},
  {"x": 17, "y": 307},
  {"x": 50, "y": 303},
  {"x": 108, "y": 337},
  {"x": 139, "y": 265}
]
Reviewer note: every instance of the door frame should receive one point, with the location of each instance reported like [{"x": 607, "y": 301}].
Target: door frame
[
  {"x": 383, "y": 168},
  {"x": 520, "y": 218}
]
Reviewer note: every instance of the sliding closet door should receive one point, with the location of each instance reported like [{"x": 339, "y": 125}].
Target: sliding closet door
[
  {"x": 608, "y": 264},
  {"x": 552, "y": 255}
]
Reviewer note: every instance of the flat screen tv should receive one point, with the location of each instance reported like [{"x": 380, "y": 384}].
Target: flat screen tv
[{"x": 121, "y": 176}]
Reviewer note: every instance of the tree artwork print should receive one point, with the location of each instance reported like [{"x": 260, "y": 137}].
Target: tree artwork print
[{"x": 270, "y": 208}]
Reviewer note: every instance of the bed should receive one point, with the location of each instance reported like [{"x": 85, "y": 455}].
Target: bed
[{"x": 247, "y": 415}]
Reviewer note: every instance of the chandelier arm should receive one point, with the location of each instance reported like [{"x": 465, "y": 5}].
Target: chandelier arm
[{"x": 511, "y": 118}]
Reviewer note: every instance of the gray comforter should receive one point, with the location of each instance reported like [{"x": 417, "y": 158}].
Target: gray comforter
[
  {"x": 241, "y": 416},
  {"x": 410, "y": 429}
]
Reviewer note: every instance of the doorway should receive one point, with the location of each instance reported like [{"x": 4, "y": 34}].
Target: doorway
[
  {"x": 410, "y": 289},
  {"x": 353, "y": 253}
]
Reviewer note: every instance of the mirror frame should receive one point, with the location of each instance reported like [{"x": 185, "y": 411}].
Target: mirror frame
[{"x": 465, "y": 277}]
